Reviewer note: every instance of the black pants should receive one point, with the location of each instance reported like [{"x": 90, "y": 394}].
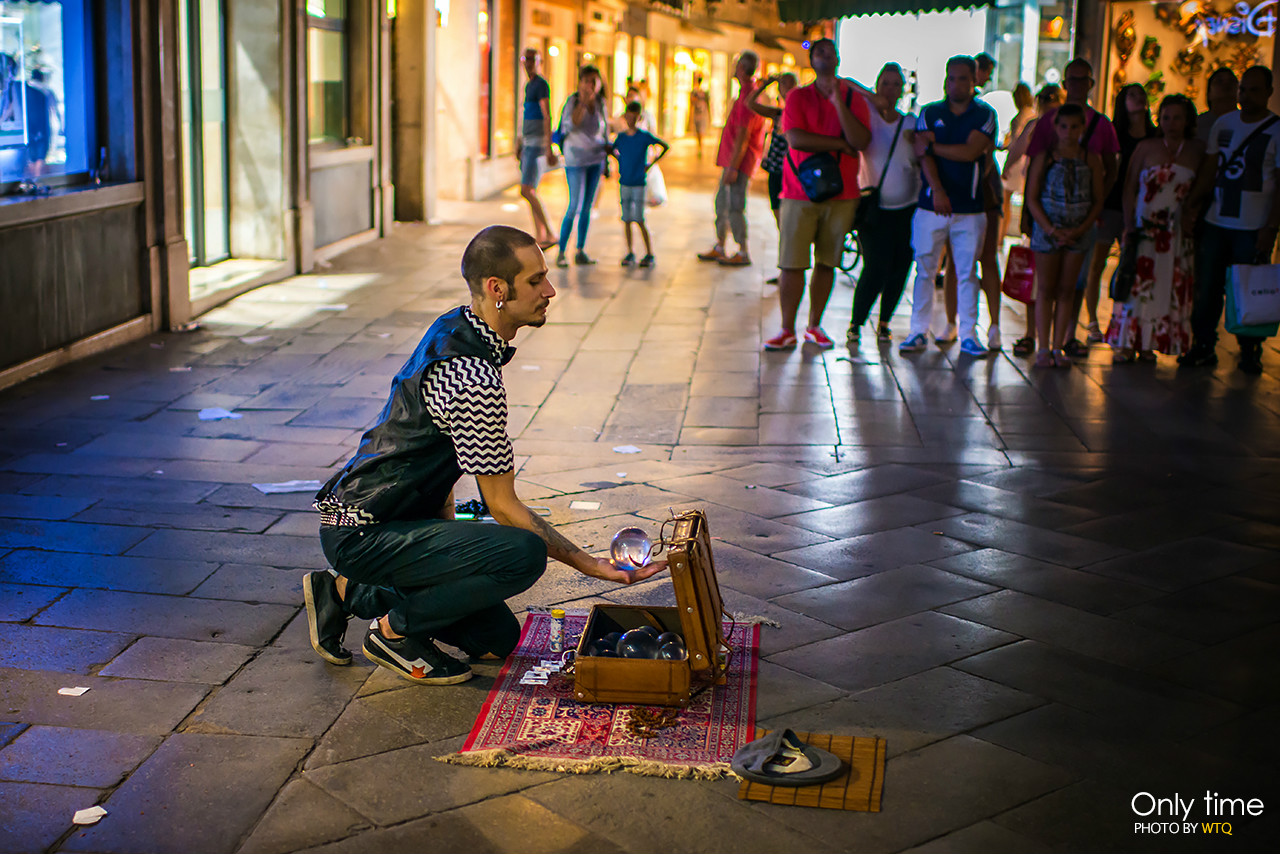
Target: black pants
[
  {"x": 1219, "y": 248},
  {"x": 886, "y": 262},
  {"x": 439, "y": 579}
]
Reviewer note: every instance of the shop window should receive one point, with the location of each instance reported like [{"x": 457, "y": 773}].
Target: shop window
[
  {"x": 507, "y": 79},
  {"x": 486, "y": 76},
  {"x": 328, "y": 105},
  {"x": 47, "y": 109}
]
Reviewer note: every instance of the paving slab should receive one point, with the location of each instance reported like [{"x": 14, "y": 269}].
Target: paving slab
[
  {"x": 1077, "y": 588},
  {"x": 110, "y": 572},
  {"x": 283, "y": 692},
  {"x": 358, "y": 782},
  {"x": 175, "y": 782},
  {"x": 302, "y": 816},
  {"x": 61, "y": 650},
  {"x": 121, "y": 705},
  {"x": 282, "y": 551},
  {"x": 179, "y": 660},
  {"x": 890, "y": 651},
  {"x": 867, "y": 554},
  {"x": 1095, "y": 686},
  {"x": 35, "y": 816},
  {"x": 1069, "y": 628},
  {"x": 710, "y": 818},
  {"x": 930, "y": 792},
  {"x": 62, "y": 756},
  {"x": 885, "y": 596},
  {"x": 168, "y": 616},
  {"x": 19, "y": 602}
]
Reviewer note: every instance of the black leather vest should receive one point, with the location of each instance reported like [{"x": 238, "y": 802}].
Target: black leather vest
[{"x": 405, "y": 465}]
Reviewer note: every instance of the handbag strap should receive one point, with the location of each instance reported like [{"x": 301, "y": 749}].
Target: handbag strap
[{"x": 889, "y": 159}]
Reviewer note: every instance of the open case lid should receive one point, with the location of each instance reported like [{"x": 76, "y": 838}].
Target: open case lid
[{"x": 693, "y": 574}]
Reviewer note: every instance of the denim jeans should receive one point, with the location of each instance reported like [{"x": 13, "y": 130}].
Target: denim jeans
[
  {"x": 583, "y": 182},
  {"x": 438, "y": 579}
]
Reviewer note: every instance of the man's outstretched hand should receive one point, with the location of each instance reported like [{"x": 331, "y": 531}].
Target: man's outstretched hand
[{"x": 607, "y": 570}]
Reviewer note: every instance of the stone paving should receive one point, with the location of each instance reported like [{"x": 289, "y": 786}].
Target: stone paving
[{"x": 1048, "y": 591}]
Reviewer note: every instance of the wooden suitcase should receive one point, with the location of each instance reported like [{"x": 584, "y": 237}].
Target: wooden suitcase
[{"x": 697, "y": 616}]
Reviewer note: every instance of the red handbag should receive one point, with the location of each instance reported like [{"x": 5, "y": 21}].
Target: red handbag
[{"x": 1020, "y": 275}]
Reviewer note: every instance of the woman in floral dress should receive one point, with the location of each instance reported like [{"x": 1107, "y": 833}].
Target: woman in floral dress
[{"x": 1156, "y": 317}]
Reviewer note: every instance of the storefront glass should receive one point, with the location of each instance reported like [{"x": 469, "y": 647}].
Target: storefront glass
[
  {"x": 47, "y": 117},
  {"x": 327, "y": 106},
  {"x": 486, "y": 76},
  {"x": 1171, "y": 48},
  {"x": 507, "y": 79},
  {"x": 204, "y": 131},
  {"x": 621, "y": 67}
]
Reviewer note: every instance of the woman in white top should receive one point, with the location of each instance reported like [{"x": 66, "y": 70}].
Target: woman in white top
[{"x": 886, "y": 243}]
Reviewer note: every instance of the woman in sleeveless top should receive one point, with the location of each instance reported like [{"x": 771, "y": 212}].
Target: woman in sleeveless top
[
  {"x": 1156, "y": 315},
  {"x": 1064, "y": 196}
]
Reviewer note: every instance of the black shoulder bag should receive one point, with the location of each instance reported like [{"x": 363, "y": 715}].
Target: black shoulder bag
[
  {"x": 869, "y": 202},
  {"x": 819, "y": 173}
]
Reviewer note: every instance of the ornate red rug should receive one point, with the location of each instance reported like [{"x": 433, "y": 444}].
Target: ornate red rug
[{"x": 541, "y": 727}]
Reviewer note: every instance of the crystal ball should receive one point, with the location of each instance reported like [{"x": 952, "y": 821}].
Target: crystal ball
[
  {"x": 667, "y": 637},
  {"x": 609, "y": 641},
  {"x": 673, "y": 651},
  {"x": 637, "y": 644},
  {"x": 632, "y": 548},
  {"x": 606, "y": 653},
  {"x": 650, "y": 631}
]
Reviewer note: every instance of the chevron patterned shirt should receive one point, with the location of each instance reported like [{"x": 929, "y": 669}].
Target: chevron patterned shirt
[{"x": 466, "y": 399}]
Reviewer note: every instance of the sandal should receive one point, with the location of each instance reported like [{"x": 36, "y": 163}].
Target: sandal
[
  {"x": 782, "y": 759},
  {"x": 1044, "y": 359},
  {"x": 1061, "y": 359},
  {"x": 1024, "y": 346},
  {"x": 1122, "y": 356},
  {"x": 1146, "y": 355}
]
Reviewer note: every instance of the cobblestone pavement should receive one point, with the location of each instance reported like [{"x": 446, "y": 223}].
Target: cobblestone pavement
[{"x": 1048, "y": 591}]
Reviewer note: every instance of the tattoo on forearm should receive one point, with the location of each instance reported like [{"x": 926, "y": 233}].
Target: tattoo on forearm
[{"x": 558, "y": 545}]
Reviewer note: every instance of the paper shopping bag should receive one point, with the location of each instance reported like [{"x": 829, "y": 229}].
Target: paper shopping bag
[{"x": 1020, "y": 275}]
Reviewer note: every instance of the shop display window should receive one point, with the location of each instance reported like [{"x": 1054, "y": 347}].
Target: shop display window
[
  {"x": 1173, "y": 47},
  {"x": 486, "y": 75},
  {"x": 328, "y": 109},
  {"x": 507, "y": 79},
  {"x": 47, "y": 109}
]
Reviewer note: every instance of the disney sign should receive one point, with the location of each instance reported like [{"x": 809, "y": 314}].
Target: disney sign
[{"x": 1257, "y": 20}]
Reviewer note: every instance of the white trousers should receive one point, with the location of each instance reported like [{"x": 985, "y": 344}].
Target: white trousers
[{"x": 929, "y": 234}]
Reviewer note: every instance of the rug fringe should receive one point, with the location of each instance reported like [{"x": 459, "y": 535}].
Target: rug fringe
[
  {"x": 601, "y": 764},
  {"x": 755, "y": 620}
]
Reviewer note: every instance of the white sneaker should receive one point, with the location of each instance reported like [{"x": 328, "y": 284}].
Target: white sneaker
[
  {"x": 993, "y": 338},
  {"x": 949, "y": 335}
]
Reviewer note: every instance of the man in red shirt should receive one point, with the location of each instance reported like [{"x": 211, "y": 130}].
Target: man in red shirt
[
  {"x": 741, "y": 147},
  {"x": 828, "y": 116}
]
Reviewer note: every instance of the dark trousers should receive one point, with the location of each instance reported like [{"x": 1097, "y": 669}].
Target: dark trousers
[
  {"x": 1218, "y": 249},
  {"x": 439, "y": 579},
  {"x": 886, "y": 262}
]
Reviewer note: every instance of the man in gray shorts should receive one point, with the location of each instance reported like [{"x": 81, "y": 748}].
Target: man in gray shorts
[{"x": 535, "y": 143}]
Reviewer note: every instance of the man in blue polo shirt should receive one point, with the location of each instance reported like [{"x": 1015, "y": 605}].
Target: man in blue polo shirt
[{"x": 952, "y": 140}]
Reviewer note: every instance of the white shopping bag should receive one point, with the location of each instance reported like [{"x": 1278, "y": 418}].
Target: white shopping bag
[
  {"x": 655, "y": 193},
  {"x": 1256, "y": 289}
]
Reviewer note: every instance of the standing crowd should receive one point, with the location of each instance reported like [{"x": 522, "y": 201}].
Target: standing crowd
[{"x": 1182, "y": 196}]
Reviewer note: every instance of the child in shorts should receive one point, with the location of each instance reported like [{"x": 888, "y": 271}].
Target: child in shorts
[{"x": 631, "y": 148}]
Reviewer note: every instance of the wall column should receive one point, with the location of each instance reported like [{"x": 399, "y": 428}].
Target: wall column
[{"x": 413, "y": 109}]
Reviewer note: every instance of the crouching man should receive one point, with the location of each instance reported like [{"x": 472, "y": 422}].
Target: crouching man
[{"x": 386, "y": 519}]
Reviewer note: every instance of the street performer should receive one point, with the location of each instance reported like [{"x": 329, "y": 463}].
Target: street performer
[{"x": 387, "y": 522}]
